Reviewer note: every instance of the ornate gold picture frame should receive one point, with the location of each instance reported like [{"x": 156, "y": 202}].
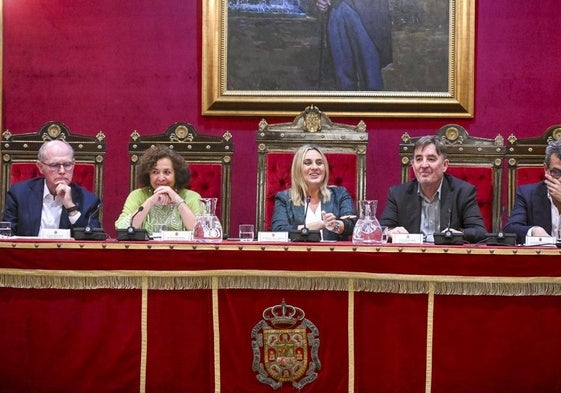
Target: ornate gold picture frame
[{"x": 266, "y": 63}]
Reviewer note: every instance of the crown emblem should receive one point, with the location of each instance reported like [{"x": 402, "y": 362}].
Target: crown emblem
[
  {"x": 283, "y": 315},
  {"x": 285, "y": 347}
]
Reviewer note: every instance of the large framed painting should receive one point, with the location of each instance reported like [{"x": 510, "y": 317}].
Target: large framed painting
[{"x": 373, "y": 58}]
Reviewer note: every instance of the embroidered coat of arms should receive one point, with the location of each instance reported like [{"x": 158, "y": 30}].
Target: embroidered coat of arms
[{"x": 285, "y": 347}]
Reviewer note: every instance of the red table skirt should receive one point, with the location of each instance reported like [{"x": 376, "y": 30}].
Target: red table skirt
[{"x": 154, "y": 317}]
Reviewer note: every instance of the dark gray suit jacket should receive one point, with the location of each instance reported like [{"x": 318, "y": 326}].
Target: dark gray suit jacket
[
  {"x": 531, "y": 208},
  {"x": 287, "y": 216},
  {"x": 457, "y": 203}
]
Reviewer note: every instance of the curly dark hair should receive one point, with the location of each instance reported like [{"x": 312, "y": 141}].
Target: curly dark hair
[{"x": 151, "y": 157}]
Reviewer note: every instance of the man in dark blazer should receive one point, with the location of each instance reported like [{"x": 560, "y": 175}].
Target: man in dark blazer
[
  {"x": 51, "y": 201},
  {"x": 434, "y": 201},
  {"x": 537, "y": 205}
]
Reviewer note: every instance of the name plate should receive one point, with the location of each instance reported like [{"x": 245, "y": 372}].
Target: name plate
[
  {"x": 176, "y": 235},
  {"x": 272, "y": 236},
  {"x": 49, "y": 233},
  {"x": 540, "y": 241},
  {"x": 407, "y": 238}
]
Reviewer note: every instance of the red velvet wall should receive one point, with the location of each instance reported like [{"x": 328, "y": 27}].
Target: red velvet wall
[{"x": 119, "y": 66}]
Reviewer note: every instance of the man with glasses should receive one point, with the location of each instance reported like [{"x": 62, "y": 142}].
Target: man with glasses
[
  {"x": 537, "y": 206},
  {"x": 51, "y": 201}
]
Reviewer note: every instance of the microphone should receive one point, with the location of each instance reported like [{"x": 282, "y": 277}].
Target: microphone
[
  {"x": 131, "y": 227},
  {"x": 87, "y": 232},
  {"x": 132, "y": 233},
  {"x": 305, "y": 229},
  {"x": 305, "y": 234},
  {"x": 500, "y": 238},
  {"x": 89, "y": 224},
  {"x": 448, "y": 232},
  {"x": 449, "y": 237}
]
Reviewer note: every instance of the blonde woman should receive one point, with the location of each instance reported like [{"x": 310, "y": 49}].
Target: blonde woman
[{"x": 312, "y": 201}]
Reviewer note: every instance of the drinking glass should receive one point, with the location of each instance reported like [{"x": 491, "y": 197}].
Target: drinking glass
[
  {"x": 246, "y": 232},
  {"x": 157, "y": 230}
]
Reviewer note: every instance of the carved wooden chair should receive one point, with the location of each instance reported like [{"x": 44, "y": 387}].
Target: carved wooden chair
[
  {"x": 19, "y": 157},
  {"x": 525, "y": 159},
  {"x": 478, "y": 161},
  {"x": 344, "y": 146},
  {"x": 209, "y": 159}
]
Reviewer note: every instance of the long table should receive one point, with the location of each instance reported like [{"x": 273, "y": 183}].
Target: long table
[{"x": 167, "y": 317}]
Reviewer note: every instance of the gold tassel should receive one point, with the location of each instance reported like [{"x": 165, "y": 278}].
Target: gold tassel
[{"x": 284, "y": 280}]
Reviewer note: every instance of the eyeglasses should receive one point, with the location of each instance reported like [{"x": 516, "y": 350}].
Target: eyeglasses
[
  {"x": 54, "y": 167},
  {"x": 556, "y": 173}
]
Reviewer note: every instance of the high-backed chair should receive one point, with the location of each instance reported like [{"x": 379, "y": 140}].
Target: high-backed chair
[
  {"x": 19, "y": 157},
  {"x": 478, "y": 161},
  {"x": 344, "y": 145},
  {"x": 525, "y": 159},
  {"x": 209, "y": 159}
]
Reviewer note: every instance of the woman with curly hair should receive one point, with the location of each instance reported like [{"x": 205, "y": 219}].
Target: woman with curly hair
[{"x": 163, "y": 177}]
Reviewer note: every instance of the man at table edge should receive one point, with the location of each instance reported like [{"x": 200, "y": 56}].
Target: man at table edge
[
  {"x": 51, "y": 201},
  {"x": 434, "y": 201},
  {"x": 537, "y": 206}
]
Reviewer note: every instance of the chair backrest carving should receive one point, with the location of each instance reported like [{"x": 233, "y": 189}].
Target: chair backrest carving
[
  {"x": 478, "y": 161},
  {"x": 209, "y": 158},
  {"x": 344, "y": 145},
  {"x": 19, "y": 155},
  {"x": 525, "y": 159}
]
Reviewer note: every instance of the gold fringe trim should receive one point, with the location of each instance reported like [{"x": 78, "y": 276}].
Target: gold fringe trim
[
  {"x": 216, "y": 336},
  {"x": 144, "y": 335},
  {"x": 53, "y": 281},
  {"x": 430, "y": 331},
  {"x": 351, "y": 333},
  {"x": 286, "y": 280}
]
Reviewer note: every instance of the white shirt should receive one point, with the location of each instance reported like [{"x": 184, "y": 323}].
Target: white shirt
[
  {"x": 312, "y": 216},
  {"x": 555, "y": 222},
  {"x": 52, "y": 209}
]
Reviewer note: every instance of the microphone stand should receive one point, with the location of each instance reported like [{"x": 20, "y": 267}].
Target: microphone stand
[
  {"x": 131, "y": 233},
  {"x": 449, "y": 237},
  {"x": 305, "y": 234},
  {"x": 87, "y": 232},
  {"x": 500, "y": 238}
]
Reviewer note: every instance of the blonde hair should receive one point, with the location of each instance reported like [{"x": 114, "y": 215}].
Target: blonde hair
[{"x": 298, "y": 187}]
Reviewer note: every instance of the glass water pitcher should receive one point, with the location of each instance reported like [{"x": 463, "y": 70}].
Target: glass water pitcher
[
  {"x": 207, "y": 227},
  {"x": 367, "y": 229}
]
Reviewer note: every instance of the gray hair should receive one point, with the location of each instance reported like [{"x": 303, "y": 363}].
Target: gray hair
[
  {"x": 553, "y": 148},
  {"x": 44, "y": 146}
]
